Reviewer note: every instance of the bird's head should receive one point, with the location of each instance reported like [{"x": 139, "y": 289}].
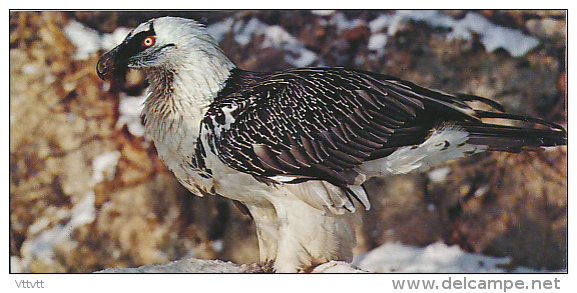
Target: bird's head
[{"x": 166, "y": 43}]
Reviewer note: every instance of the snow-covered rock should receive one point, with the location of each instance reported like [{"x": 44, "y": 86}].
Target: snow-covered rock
[
  {"x": 337, "y": 267},
  {"x": 191, "y": 265},
  {"x": 434, "y": 258},
  {"x": 388, "y": 258}
]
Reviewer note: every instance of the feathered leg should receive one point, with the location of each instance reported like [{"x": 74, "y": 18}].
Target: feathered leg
[
  {"x": 266, "y": 223},
  {"x": 310, "y": 236}
]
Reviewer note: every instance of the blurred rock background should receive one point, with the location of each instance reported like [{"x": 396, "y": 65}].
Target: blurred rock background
[{"x": 88, "y": 192}]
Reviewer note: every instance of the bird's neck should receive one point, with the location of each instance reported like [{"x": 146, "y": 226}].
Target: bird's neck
[{"x": 178, "y": 98}]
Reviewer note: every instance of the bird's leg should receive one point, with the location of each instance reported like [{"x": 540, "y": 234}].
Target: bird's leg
[
  {"x": 309, "y": 236},
  {"x": 265, "y": 220}
]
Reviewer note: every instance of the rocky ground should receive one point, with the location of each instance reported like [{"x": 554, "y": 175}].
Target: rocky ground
[{"x": 87, "y": 191}]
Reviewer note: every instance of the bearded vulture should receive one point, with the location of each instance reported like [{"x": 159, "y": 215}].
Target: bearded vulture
[{"x": 295, "y": 146}]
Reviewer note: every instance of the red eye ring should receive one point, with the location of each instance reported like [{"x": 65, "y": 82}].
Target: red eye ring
[{"x": 148, "y": 41}]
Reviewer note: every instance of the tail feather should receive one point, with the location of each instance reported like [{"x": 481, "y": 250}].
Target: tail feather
[
  {"x": 488, "y": 102},
  {"x": 534, "y": 133}
]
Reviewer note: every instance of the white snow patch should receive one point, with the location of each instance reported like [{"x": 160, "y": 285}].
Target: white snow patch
[
  {"x": 298, "y": 55},
  {"x": 439, "y": 174},
  {"x": 340, "y": 21},
  {"x": 106, "y": 86},
  {"x": 49, "y": 78},
  {"x": 192, "y": 265},
  {"x": 377, "y": 42},
  {"x": 181, "y": 266},
  {"x": 89, "y": 41},
  {"x": 437, "y": 19},
  {"x": 42, "y": 246},
  {"x": 86, "y": 40},
  {"x": 434, "y": 258},
  {"x": 109, "y": 41},
  {"x": 29, "y": 69},
  {"x": 38, "y": 226},
  {"x": 492, "y": 36},
  {"x": 244, "y": 31},
  {"x": 396, "y": 22},
  {"x": 274, "y": 36},
  {"x": 104, "y": 166},
  {"x": 388, "y": 258},
  {"x": 277, "y": 37},
  {"x": 83, "y": 212},
  {"x": 481, "y": 191},
  {"x": 130, "y": 108},
  {"x": 380, "y": 23},
  {"x": 323, "y": 12},
  {"x": 217, "y": 245},
  {"x": 337, "y": 267},
  {"x": 16, "y": 265},
  {"x": 220, "y": 29}
]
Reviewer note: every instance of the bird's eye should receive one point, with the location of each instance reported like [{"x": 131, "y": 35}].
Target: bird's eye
[{"x": 148, "y": 41}]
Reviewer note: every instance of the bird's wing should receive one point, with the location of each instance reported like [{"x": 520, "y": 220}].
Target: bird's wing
[{"x": 320, "y": 123}]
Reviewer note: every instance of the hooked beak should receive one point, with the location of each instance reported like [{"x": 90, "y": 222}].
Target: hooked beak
[{"x": 108, "y": 64}]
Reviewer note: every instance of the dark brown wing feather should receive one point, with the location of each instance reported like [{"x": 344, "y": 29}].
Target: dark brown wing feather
[{"x": 320, "y": 123}]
